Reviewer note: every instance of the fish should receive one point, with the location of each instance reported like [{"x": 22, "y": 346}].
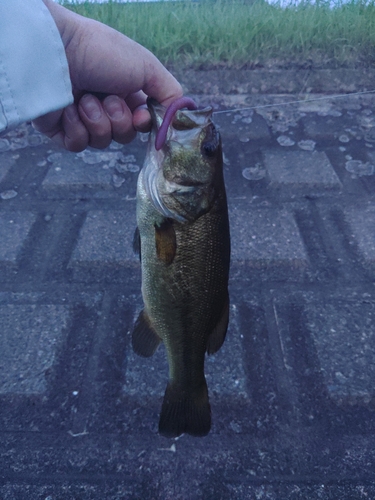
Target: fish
[{"x": 183, "y": 241}]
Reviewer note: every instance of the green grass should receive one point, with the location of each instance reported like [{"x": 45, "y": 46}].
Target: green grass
[{"x": 231, "y": 33}]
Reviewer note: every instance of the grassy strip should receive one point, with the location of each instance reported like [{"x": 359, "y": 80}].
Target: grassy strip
[{"x": 240, "y": 34}]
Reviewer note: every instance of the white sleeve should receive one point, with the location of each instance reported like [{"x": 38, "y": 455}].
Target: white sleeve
[{"x": 34, "y": 74}]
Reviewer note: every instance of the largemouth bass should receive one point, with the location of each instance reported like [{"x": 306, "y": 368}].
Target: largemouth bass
[{"x": 184, "y": 244}]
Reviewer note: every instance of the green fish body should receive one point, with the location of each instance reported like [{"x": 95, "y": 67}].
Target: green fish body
[{"x": 184, "y": 244}]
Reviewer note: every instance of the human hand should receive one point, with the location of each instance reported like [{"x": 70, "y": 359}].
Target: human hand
[{"x": 103, "y": 61}]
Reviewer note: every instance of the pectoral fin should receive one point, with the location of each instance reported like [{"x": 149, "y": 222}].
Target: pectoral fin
[
  {"x": 165, "y": 241},
  {"x": 145, "y": 340},
  {"x": 217, "y": 337}
]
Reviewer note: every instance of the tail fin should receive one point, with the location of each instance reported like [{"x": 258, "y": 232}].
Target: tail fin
[{"x": 185, "y": 412}]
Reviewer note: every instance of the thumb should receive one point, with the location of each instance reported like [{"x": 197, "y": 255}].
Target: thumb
[
  {"x": 160, "y": 84},
  {"x": 49, "y": 123}
]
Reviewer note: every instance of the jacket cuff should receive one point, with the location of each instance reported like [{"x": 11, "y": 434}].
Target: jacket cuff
[{"x": 34, "y": 73}]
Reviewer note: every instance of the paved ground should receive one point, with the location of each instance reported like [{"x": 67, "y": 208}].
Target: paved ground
[{"x": 292, "y": 390}]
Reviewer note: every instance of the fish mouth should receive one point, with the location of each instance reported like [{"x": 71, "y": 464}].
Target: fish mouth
[
  {"x": 157, "y": 112},
  {"x": 182, "y": 133},
  {"x": 191, "y": 120}
]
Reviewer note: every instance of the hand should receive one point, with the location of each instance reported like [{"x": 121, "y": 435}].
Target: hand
[{"x": 103, "y": 61}]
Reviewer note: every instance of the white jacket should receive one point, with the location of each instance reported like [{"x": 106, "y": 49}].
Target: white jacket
[{"x": 34, "y": 74}]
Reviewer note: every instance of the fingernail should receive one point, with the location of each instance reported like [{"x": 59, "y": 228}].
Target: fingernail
[
  {"x": 71, "y": 113},
  {"x": 113, "y": 107},
  {"x": 91, "y": 107}
]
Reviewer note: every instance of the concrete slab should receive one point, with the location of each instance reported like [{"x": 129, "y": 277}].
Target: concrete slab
[
  {"x": 14, "y": 229},
  {"x": 344, "y": 338},
  {"x": 90, "y": 169},
  {"x": 300, "y": 169},
  {"x": 326, "y": 350},
  {"x": 325, "y": 127},
  {"x": 267, "y": 240},
  {"x": 105, "y": 241},
  {"x": 68, "y": 172},
  {"x": 361, "y": 222},
  {"x": 31, "y": 335},
  {"x": 6, "y": 162}
]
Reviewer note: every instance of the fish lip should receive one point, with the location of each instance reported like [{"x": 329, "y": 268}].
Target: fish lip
[{"x": 153, "y": 105}]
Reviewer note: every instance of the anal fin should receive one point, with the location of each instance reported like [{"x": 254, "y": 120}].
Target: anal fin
[
  {"x": 217, "y": 337},
  {"x": 145, "y": 340}
]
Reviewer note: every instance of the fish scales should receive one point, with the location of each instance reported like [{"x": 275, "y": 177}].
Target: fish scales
[{"x": 185, "y": 248}]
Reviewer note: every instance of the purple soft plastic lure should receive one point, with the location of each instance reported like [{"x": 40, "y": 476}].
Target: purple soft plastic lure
[{"x": 182, "y": 102}]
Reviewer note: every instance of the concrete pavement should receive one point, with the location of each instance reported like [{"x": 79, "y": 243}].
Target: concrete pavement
[{"x": 292, "y": 389}]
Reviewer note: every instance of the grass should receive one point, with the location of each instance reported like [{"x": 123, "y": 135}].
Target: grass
[{"x": 214, "y": 33}]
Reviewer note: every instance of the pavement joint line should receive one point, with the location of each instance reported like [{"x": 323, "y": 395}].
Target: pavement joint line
[
  {"x": 88, "y": 388},
  {"x": 287, "y": 393}
]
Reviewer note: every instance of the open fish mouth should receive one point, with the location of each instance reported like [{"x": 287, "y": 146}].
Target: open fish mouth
[
  {"x": 182, "y": 115},
  {"x": 183, "y": 102}
]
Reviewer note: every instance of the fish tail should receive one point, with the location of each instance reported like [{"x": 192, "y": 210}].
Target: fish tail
[{"x": 185, "y": 411}]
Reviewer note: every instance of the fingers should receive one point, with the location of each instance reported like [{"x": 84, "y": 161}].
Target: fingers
[
  {"x": 96, "y": 121},
  {"x": 140, "y": 115},
  {"x": 89, "y": 123},
  {"x": 142, "y": 119},
  {"x": 121, "y": 119},
  {"x": 106, "y": 121},
  {"x": 74, "y": 136},
  {"x": 64, "y": 127}
]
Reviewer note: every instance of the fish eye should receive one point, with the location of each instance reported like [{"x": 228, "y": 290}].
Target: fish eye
[
  {"x": 209, "y": 148},
  {"x": 210, "y": 144}
]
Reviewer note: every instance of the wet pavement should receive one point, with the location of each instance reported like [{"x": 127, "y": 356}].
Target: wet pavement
[{"x": 291, "y": 390}]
